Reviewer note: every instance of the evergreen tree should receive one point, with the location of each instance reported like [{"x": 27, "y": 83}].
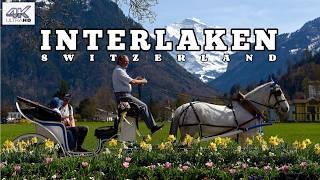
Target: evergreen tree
[
  {"x": 63, "y": 89},
  {"x": 104, "y": 99},
  {"x": 87, "y": 108},
  {"x": 182, "y": 99}
]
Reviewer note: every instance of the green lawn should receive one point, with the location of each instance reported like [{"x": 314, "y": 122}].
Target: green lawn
[
  {"x": 288, "y": 131},
  {"x": 11, "y": 131},
  {"x": 295, "y": 131}
]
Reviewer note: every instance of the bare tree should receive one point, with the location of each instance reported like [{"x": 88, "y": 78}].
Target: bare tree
[{"x": 139, "y": 9}]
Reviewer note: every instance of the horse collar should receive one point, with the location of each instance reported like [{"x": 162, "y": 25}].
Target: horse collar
[{"x": 248, "y": 105}]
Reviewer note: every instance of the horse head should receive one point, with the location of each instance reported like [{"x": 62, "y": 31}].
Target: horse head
[
  {"x": 277, "y": 99},
  {"x": 269, "y": 96}
]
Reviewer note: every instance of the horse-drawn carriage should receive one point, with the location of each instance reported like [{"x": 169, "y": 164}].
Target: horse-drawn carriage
[
  {"x": 207, "y": 120},
  {"x": 48, "y": 125}
]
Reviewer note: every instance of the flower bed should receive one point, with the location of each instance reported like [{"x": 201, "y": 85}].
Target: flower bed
[{"x": 220, "y": 159}]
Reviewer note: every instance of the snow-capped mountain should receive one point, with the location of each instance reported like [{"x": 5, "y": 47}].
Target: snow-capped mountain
[
  {"x": 206, "y": 71},
  {"x": 290, "y": 48}
]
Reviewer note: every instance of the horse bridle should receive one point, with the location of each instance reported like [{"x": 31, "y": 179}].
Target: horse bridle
[{"x": 276, "y": 92}]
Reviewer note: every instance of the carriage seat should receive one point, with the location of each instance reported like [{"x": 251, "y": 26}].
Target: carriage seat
[
  {"x": 129, "y": 121},
  {"x": 131, "y": 108},
  {"x": 106, "y": 132}
]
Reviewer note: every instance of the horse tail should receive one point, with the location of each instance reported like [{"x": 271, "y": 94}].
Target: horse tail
[{"x": 174, "y": 125}]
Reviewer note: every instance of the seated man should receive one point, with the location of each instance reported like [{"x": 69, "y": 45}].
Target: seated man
[
  {"x": 79, "y": 132},
  {"x": 122, "y": 88}
]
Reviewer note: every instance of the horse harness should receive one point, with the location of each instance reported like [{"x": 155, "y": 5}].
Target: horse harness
[
  {"x": 246, "y": 104},
  {"x": 276, "y": 92}
]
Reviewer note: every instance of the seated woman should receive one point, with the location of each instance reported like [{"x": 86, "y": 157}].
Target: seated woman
[
  {"x": 79, "y": 132},
  {"x": 55, "y": 105},
  {"x": 76, "y": 134}
]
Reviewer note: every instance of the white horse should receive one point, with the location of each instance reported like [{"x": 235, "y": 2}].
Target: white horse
[{"x": 213, "y": 120}]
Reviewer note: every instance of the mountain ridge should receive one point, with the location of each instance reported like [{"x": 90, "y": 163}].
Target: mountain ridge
[
  {"x": 290, "y": 48},
  {"x": 23, "y": 72}
]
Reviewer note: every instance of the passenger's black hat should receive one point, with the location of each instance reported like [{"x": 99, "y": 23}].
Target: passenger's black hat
[{"x": 67, "y": 96}]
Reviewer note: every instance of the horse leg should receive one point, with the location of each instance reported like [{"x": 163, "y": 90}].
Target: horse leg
[
  {"x": 190, "y": 130},
  {"x": 243, "y": 136}
]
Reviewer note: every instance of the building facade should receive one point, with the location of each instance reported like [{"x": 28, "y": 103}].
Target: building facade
[{"x": 307, "y": 108}]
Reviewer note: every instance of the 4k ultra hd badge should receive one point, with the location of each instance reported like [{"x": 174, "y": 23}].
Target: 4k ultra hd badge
[{"x": 18, "y": 13}]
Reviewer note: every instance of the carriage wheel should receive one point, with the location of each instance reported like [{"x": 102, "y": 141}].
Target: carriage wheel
[
  {"x": 40, "y": 141},
  {"x": 28, "y": 137}
]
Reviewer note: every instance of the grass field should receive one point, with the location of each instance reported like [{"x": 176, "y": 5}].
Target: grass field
[{"x": 288, "y": 131}]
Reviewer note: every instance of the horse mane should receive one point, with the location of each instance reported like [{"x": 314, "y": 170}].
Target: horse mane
[{"x": 258, "y": 88}]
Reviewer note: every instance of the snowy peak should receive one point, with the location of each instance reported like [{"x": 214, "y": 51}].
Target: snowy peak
[
  {"x": 192, "y": 21},
  {"x": 189, "y": 23},
  {"x": 206, "y": 71}
]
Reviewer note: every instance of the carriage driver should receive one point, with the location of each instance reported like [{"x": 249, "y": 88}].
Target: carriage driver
[
  {"x": 122, "y": 89},
  {"x": 79, "y": 132}
]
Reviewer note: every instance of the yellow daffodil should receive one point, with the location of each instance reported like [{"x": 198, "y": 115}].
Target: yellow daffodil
[
  {"x": 307, "y": 142},
  {"x": 249, "y": 141},
  {"x": 147, "y": 138},
  {"x": 22, "y": 145},
  {"x": 8, "y": 145},
  {"x": 259, "y": 138},
  {"x": 198, "y": 140},
  {"x": 295, "y": 144},
  {"x": 113, "y": 142},
  {"x": 171, "y": 138},
  {"x": 34, "y": 140},
  {"x": 224, "y": 145},
  {"x": 162, "y": 146},
  {"x": 275, "y": 141},
  {"x": 213, "y": 146},
  {"x": 317, "y": 148},
  {"x": 223, "y": 142},
  {"x": 28, "y": 143},
  {"x": 146, "y": 147},
  {"x": 188, "y": 140},
  {"x": 302, "y": 145},
  {"x": 48, "y": 144},
  {"x": 168, "y": 145},
  {"x": 226, "y": 140},
  {"x": 218, "y": 140}
]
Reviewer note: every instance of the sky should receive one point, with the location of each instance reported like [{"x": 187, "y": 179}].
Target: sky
[{"x": 286, "y": 15}]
